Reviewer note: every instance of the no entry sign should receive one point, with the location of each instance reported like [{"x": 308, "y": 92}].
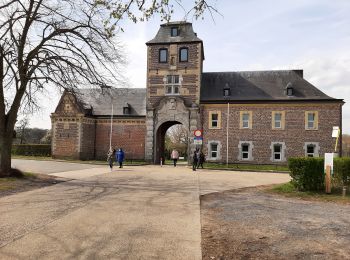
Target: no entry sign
[{"x": 198, "y": 133}]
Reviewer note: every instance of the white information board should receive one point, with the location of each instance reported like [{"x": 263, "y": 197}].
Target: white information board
[{"x": 335, "y": 131}]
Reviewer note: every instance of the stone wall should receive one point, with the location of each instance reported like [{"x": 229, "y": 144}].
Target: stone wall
[{"x": 261, "y": 134}]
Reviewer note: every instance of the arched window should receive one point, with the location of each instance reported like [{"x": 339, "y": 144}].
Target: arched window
[{"x": 183, "y": 54}]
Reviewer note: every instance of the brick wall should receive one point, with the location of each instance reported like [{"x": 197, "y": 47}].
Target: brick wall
[
  {"x": 261, "y": 135},
  {"x": 65, "y": 139},
  {"x": 127, "y": 133},
  {"x": 189, "y": 71},
  {"x": 88, "y": 139}
]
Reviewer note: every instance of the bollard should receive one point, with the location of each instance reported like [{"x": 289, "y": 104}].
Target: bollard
[{"x": 344, "y": 191}]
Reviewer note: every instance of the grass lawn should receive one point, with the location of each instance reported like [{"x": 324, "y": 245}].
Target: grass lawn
[
  {"x": 288, "y": 190},
  {"x": 45, "y": 158},
  {"x": 251, "y": 167}
]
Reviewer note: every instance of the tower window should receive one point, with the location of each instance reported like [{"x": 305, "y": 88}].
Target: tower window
[
  {"x": 163, "y": 55},
  {"x": 172, "y": 85},
  {"x": 174, "y": 31},
  {"x": 183, "y": 54}
]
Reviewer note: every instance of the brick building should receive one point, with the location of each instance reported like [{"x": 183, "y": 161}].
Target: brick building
[{"x": 255, "y": 116}]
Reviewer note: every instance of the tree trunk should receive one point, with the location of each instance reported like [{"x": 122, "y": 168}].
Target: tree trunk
[{"x": 5, "y": 154}]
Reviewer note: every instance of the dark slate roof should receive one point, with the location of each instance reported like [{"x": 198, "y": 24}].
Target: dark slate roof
[
  {"x": 186, "y": 34},
  {"x": 259, "y": 86},
  {"x": 100, "y": 101}
]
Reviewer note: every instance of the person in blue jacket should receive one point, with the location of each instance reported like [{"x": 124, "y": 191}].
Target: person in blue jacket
[{"x": 120, "y": 157}]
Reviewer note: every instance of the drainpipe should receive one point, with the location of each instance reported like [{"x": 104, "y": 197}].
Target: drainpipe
[{"x": 227, "y": 125}]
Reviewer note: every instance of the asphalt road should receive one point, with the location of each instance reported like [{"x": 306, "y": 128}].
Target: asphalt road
[{"x": 132, "y": 213}]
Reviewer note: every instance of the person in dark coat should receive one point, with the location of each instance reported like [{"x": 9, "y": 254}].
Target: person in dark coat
[
  {"x": 195, "y": 160},
  {"x": 201, "y": 160},
  {"x": 120, "y": 157}
]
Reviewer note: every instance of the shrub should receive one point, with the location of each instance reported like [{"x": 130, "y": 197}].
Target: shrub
[
  {"x": 341, "y": 171},
  {"x": 307, "y": 173},
  {"x": 32, "y": 149}
]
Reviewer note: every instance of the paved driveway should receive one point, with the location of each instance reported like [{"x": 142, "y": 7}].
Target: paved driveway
[{"x": 137, "y": 212}]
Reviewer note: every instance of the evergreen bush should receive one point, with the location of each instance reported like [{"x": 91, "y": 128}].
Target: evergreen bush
[
  {"x": 341, "y": 171},
  {"x": 307, "y": 173}
]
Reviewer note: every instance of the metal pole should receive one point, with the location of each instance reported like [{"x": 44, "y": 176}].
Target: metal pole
[
  {"x": 110, "y": 134},
  {"x": 227, "y": 124}
]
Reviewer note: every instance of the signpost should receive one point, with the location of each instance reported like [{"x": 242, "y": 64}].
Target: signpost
[{"x": 198, "y": 138}]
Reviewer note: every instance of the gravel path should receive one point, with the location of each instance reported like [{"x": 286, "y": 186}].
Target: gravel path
[{"x": 251, "y": 224}]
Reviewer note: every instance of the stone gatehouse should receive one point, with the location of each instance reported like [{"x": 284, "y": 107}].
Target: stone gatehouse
[{"x": 246, "y": 117}]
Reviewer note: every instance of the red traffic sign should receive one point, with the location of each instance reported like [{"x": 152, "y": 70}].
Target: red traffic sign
[{"x": 197, "y": 133}]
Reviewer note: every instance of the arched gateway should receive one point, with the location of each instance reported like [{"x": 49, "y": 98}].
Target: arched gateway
[{"x": 173, "y": 85}]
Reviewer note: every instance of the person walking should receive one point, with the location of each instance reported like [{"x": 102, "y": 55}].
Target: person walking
[
  {"x": 174, "y": 156},
  {"x": 120, "y": 157},
  {"x": 110, "y": 158},
  {"x": 201, "y": 160},
  {"x": 195, "y": 160}
]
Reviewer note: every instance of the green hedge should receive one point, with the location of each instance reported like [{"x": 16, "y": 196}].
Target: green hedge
[
  {"x": 341, "y": 169},
  {"x": 31, "y": 149},
  {"x": 307, "y": 173}
]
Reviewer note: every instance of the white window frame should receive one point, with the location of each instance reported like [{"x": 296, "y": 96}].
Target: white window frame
[
  {"x": 316, "y": 149},
  {"x": 250, "y": 150},
  {"x": 245, "y": 121},
  {"x": 282, "y": 152},
  {"x": 172, "y": 84},
  {"x": 279, "y": 121},
  {"x": 311, "y": 121},
  {"x": 214, "y": 121},
  {"x": 314, "y": 122},
  {"x": 218, "y": 151}
]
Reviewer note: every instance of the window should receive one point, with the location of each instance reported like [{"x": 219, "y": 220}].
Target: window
[
  {"x": 214, "y": 119},
  {"x": 172, "y": 85},
  {"x": 174, "y": 31},
  {"x": 163, "y": 55},
  {"x": 183, "y": 54},
  {"x": 213, "y": 150},
  {"x": 227, "y": 92},
  {"x": 245, "y": 151},
  {"x": 278, "y": 120},
  {"x": 311, "y": 149},
  {"x": 246, "y": 119},
  {"x": 289, "y": 91},
  {"x": 311, "y": 120},
  {"x": 126, "y": 110},
  {"x": 278, "y": 151}
]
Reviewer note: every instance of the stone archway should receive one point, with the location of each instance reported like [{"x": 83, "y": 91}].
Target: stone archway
[
  {"x": 160, "y": 139},
  {"x": 170, "y": 111}
]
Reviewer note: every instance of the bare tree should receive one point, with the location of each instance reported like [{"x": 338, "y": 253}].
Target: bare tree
[
  {"x": 177, "y": 138},
  {"x": 61, "y": 43}
]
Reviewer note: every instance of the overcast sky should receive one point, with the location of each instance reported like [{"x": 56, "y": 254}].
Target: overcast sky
[{"x": 312, "y": 35}]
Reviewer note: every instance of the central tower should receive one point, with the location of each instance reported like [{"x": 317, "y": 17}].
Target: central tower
[{"x": 174, "y": 68}]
